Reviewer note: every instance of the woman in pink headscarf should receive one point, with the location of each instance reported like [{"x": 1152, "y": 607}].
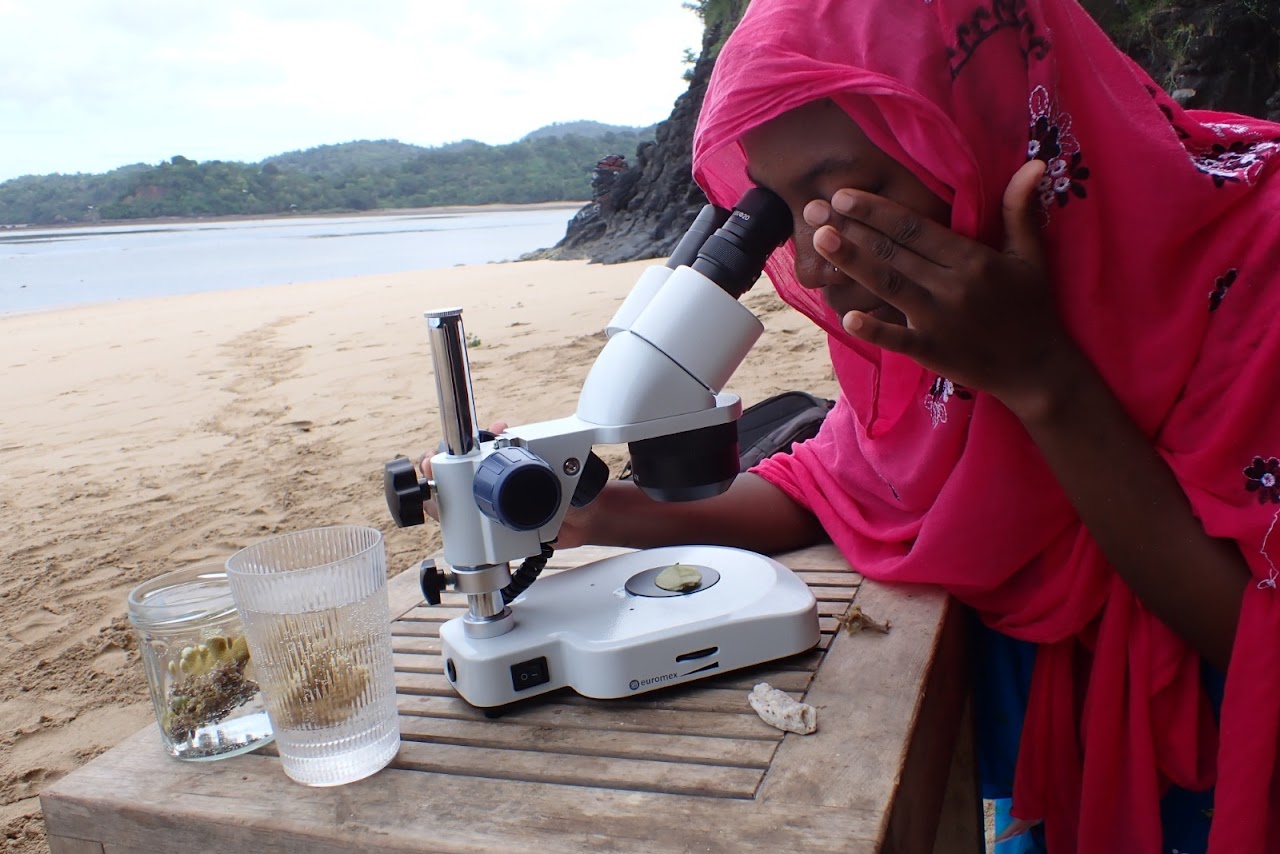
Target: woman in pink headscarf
[
  {"x": 1056, "y": 407},
  {"x": 1049, "y": 294}
]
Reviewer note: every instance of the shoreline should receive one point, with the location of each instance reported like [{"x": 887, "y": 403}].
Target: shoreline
[
  {"x": 100, "y": 265},
  {"x": 444, "y": 210}
]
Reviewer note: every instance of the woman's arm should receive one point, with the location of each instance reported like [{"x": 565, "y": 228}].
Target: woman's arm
[
  {"x": 752, "y": 514},
  {"x": 1131, "y": 503}
]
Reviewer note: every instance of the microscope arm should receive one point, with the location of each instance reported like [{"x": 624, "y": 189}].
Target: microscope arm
[{"x": 474, "y": 539}]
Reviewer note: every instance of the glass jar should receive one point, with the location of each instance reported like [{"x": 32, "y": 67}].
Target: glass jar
[{"x": 198, "y": 665}]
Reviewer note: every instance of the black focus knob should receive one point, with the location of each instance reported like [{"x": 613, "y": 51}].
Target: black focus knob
[
  {"x": 595, "y": 474},
  {"x": 432, "y": 581},
  {"x": 405, "y": 492}
]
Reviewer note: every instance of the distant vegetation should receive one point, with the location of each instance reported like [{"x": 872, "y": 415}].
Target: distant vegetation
[{"x": 553, "y": 163}]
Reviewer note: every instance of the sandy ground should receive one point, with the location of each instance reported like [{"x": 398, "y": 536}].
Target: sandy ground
[{"x": 136, "y": 437}]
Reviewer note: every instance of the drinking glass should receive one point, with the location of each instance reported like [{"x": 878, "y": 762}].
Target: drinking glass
[{"x": 314, "y": 607}]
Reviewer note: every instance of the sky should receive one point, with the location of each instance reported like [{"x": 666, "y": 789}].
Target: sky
[{"x": 91, "y": 85}]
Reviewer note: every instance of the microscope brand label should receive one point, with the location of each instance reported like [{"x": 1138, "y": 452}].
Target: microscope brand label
[{"x": 637, "y": 684}]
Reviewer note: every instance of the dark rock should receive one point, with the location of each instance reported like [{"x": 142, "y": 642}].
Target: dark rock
[
  {"x": 1209, "y": 54},
  {"x": 653, "y": 203}
]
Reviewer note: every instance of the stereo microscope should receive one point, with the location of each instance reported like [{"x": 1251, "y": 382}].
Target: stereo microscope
[{"x": 618, "y": 626}]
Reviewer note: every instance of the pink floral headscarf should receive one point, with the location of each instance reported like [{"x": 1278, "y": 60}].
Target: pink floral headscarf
[{"x": 1160, "y": 230}]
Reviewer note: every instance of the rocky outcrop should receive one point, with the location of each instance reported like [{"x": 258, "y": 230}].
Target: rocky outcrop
[
  {"x": 1210, "y": 54},
  {"x": 653, "y": 203}
]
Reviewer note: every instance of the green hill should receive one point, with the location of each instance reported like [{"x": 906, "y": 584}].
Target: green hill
[
  {"x": 553, "y": 163},
  {"x": 591, "y": 130},
  {"x": 362, "y": 155}
]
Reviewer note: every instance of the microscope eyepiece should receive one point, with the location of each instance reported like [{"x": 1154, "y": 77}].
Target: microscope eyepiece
[
  {"x": 704, "y": 225},
  {"x": 734, "y": 256}
]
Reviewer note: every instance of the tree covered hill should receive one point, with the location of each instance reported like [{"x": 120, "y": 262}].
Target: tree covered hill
[
  {"x": 550, "y": 164},
  {"x": 360, "y": 156},
  {"x": 595, "y": 130}
]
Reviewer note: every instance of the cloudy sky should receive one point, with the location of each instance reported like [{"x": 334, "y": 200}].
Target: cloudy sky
[{"x": 89, "y": 85}]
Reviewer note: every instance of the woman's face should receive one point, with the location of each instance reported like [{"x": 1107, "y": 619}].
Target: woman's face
[{"x": 809, "y": 153}]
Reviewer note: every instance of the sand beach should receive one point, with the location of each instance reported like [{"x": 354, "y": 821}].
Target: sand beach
[{"x": 144, "y": 435}]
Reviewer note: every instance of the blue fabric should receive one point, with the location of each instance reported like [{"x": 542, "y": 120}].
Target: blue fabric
[
  {"x": 1002, "y": 684},
  {"x": 1186, "y": 815},
  {"x": 1031, "y": 842},
  {"x": 1002, "y": 673}
]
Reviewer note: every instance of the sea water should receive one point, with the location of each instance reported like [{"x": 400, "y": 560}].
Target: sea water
[{"x": 42, "y": 268}]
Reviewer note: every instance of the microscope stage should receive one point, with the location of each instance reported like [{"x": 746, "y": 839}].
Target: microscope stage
[{"x": 607, "y": 630}]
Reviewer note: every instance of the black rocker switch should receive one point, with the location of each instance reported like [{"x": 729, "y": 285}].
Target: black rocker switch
[{"x": 529, "y": 674}]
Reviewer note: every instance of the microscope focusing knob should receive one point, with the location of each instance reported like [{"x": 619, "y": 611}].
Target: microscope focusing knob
[
  {"x": 595, "y": 474},
  {"x": 516, "y": 489},
  {"x": 432, "y": 581},
  {"x": 405, "y": 493}
]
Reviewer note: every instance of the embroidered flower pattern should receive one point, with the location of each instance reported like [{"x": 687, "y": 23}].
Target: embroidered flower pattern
[
  {"x": 1224, "y": 128},
  {"x": 1052, "y": 141},
  {"x": 1233, "y": 160},
  {"x": 1239, "y": 161},
  {"x": 990, "y": 19},
  {"x": 1273, "y": 574},
  {"x": 1220, "y": 287},
  {"x": 1261, "y": 477},
  {"x": 939, "y": 393}
]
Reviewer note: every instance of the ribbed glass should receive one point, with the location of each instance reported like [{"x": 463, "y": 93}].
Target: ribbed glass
[{"x": 314, "y": 606}]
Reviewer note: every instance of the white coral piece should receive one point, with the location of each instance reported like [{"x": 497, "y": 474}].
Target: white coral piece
[{"x": 778, "y": 709}]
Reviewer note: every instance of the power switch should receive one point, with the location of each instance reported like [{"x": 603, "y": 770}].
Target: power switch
[{"x": 528, "y": 674}]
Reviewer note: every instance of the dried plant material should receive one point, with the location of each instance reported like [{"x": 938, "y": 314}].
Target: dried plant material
[
  {"x": 854, "y": 621},
  {"x": 319, "y": 677},
  {"x": 679, "y": 577},
  {"x": 326, "y": 692},
  {"x": 212, "y": 684},
  {"x": 779, "y": 710}
]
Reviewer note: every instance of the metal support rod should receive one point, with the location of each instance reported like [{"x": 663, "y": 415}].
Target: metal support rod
[
  {"x": 453, "y": 380},
  {"x": 488, "y": 616},
  {"x": 485, "y": 606}
]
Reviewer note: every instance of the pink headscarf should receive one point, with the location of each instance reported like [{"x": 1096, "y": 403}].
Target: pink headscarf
[{"x": 1161, "y": 241}]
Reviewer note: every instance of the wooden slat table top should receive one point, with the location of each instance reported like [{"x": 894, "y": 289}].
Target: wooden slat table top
[{"x": 689, "y": 768}]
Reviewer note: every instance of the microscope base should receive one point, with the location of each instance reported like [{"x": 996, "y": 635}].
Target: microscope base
[{"x": 606, "y": 631}]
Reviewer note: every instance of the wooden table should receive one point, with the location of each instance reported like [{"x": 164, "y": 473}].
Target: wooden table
[{"x": 690, "y": 768}]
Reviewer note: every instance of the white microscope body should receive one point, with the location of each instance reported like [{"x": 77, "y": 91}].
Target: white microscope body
[{"x": 606, "y": 629}]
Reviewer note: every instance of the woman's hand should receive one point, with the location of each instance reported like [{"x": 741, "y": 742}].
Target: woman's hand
[
  {"x": 982, "y": 318},
  {"x": 986, "y": 319}
]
